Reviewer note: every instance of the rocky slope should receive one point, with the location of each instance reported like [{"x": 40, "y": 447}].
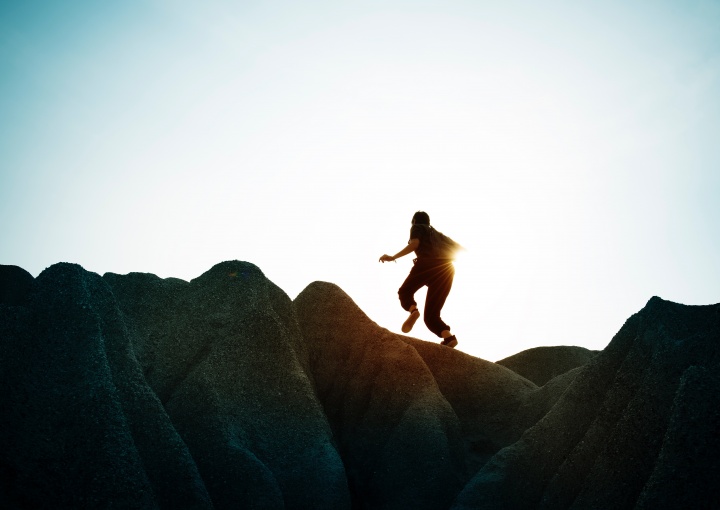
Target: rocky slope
[
  {"x": 133, "y": 391},
  {"x": 541, "y": 364},
  {"x": 626, "y": 433}
]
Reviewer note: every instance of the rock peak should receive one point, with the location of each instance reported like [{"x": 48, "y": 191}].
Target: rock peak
[{"x": 142, "y": 392}]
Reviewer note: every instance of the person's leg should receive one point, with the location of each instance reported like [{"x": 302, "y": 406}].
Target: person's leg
[
  {"x": 406, "y": 293},
  {"x": 411, "y": 320},
  {"x": 438, "y": 290}
]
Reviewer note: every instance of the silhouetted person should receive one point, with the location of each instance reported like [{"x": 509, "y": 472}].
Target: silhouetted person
[{"x": 432, "y": 267}]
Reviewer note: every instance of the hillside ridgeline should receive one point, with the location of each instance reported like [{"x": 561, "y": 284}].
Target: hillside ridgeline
[{"x": 133, "y": 391}]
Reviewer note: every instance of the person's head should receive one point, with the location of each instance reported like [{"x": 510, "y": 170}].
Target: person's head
[{"x": 421, "y": 218}]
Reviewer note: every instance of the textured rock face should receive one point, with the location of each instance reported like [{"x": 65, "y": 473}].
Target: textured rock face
[
  {"x": 222, "y": 354},
  {"x": 80, "y": 428},
  {"x": 540, "y": 364},
  {"x": 619, "y": 430},
  {"x": 138, "y": 392},
  {"x": 412, "y": 419}
]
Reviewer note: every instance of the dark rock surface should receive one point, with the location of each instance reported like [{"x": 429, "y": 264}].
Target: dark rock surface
[
  {"x": 540, "y": 364},
  {"x": 136, "y": 392},
  {"x": 80, "y": 428},
  {"x": 412, "y": 419},
  {"x": 618, "y": 430},
  {"x": 221, "y": 354},
  {"x": 15, "y": 285},
  {"x": 132, "y": 391}
]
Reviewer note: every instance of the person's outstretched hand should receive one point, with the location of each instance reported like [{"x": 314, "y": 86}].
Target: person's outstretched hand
[{"x": 386, "y": 258}]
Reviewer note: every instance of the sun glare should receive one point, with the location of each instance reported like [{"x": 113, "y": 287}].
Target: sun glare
[{"x": 563, "y": 151}]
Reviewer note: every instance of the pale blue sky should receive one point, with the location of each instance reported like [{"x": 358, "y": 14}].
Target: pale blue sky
[{"x": 571, "y": 146}]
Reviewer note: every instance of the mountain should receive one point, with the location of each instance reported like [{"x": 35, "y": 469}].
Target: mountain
[{"x": 133, "y": 391}]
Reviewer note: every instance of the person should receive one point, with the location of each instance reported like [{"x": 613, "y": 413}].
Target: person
[{"x": 433, "y": 268}]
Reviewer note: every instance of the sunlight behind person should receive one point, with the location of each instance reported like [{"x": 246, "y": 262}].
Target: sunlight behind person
[{"x": 569, "y": 148}]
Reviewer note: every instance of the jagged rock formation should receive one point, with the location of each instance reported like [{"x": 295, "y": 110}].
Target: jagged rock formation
[
  {"x": 139, "y": 392},
  {"x": 540, "y": 364},
  {"x": 412, "y": 419},
  {"x": 80, "y": 428},
  {"x": 224, "y": 355},
  {"x": 619, "y": 431}
]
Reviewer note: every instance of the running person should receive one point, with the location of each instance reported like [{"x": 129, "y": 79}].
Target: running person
[{"x": 432, "y": 267}]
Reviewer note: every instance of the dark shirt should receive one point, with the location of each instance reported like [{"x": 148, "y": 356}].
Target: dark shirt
[{"x": 423, "y": 233}]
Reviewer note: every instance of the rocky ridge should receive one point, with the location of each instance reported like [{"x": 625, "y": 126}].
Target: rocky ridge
[{"x": 134, "y": 391}]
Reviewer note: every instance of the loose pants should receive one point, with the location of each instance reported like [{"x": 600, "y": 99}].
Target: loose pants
[{"x": 438, "y": 275}]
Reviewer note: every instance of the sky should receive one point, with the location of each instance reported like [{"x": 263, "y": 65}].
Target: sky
[{"x": 571, "y": 146}]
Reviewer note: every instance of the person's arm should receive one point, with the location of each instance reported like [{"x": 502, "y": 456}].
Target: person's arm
[{"x": 411, "y": 247}]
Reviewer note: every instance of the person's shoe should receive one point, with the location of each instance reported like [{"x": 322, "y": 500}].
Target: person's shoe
[
  {"x": 410, "y": 321},
  {"x": 450, "y": 341}
]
